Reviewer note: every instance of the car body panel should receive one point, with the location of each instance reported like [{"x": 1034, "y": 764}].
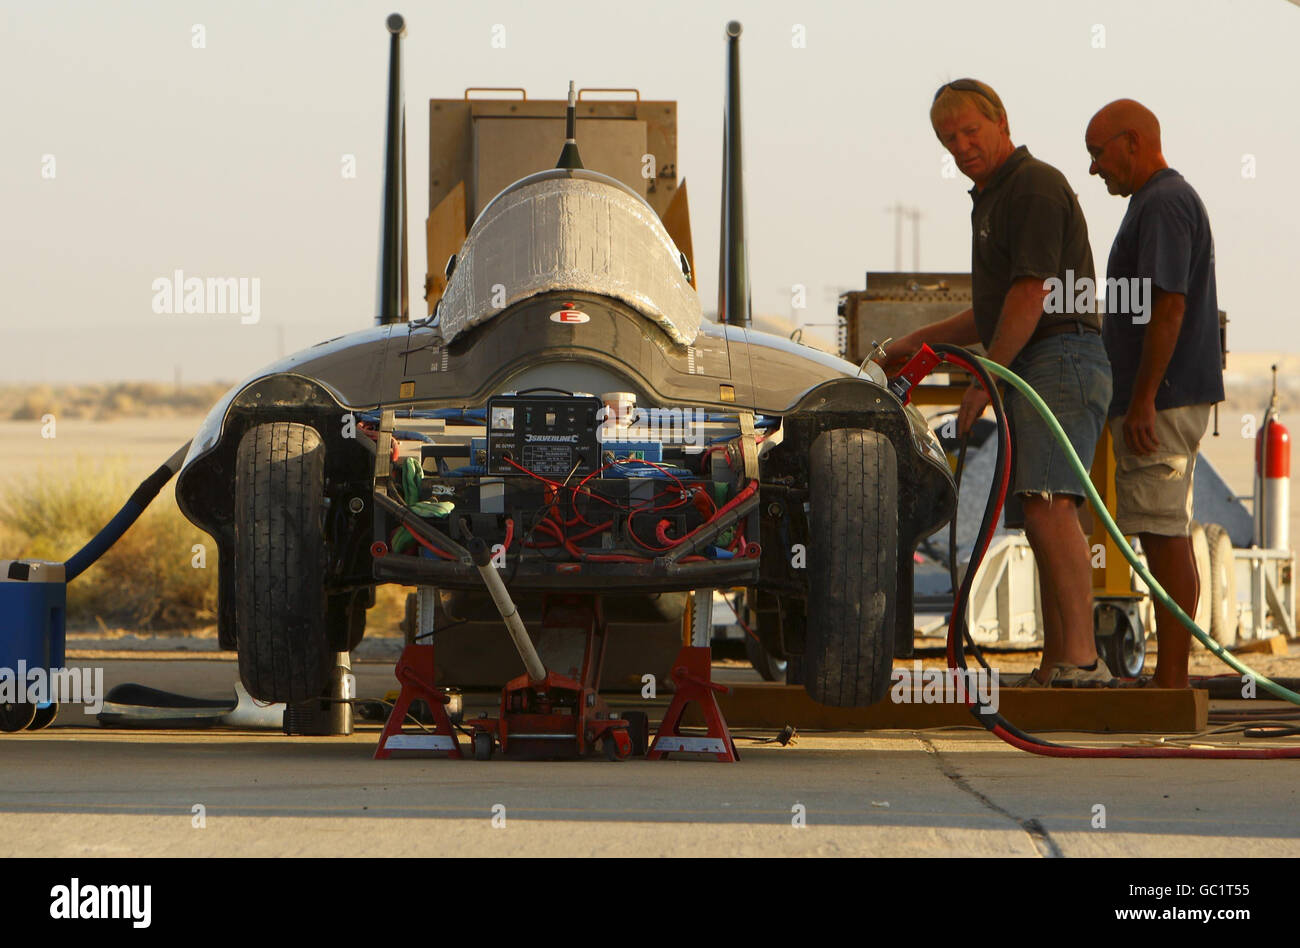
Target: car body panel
[{"x": 575, "y": 231}]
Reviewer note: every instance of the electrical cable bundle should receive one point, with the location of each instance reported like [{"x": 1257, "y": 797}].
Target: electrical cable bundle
[{"x": 556, "y": 526}]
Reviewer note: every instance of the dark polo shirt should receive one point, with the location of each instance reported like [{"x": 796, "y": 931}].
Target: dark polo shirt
[
  {"x": 1165, "y": 238},
  {"x": 1026, "y": 222}
]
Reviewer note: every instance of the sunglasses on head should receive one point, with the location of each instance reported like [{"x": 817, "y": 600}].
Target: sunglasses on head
[{"x": 965, "y": 85}]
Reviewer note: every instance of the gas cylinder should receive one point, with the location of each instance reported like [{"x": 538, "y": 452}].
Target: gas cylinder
[{"x": 1273, "y": 484}]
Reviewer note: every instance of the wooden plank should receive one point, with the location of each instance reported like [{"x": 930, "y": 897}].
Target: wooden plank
[
  {"x": 1273, "y": 645},
  {"x": 1146, "y": 710}
]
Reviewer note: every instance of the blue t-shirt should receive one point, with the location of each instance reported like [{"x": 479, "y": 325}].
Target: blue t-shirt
[{"x": 1165, "y": 237}]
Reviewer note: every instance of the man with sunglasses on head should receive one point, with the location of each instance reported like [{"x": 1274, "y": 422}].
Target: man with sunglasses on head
[
  {"x": 1162, "y": 335},
  {"x": 1028, "y": 233}
]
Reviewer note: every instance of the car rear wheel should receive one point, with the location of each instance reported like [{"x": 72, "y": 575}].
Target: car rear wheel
[
  {"x": 853, "y": 568},
  {"x": 280, "y": 603}
]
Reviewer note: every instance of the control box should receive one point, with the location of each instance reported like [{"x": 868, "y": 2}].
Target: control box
[{"x": 549, "y": 435}]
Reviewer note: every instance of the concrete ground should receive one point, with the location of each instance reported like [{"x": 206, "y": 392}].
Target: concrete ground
[{"x": 78, "y": 790}]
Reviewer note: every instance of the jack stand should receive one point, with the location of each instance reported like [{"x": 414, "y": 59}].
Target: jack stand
[
  {"x": 415, "y": 672},
  {"x": 329, "y": 715},
  {"x": 557, "y": 716},
  {"x": 691, "y": 675}
]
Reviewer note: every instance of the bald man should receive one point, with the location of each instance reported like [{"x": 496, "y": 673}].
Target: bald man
[{"x": 1161, "y": 331}]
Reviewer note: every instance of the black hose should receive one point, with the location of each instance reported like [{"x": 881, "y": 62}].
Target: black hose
[{"x": 140, "y": 498}]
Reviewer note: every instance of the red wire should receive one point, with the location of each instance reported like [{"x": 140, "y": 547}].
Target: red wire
[
  {"x": 555, "y": 525},
  {"x": 741, "y": 497},
  {"x": 429, "y": 546}
]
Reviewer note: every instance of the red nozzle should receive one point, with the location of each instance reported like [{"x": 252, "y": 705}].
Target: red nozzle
[{"x": 917, "y": 368}]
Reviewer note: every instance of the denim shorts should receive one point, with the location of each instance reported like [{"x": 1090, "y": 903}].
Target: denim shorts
[{"x": 1070, "y": 372}]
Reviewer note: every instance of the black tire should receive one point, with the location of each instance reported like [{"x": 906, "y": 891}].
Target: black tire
[
  {"x": 1220, "y": 587},
  {"x": 280, "y": 602},
  {"x": 852, "y": 568},
  {"x": 482, "y": 745},
  {"x": 16, "y": 716},
  {"x": 638, "y": 729},
  {"x": 44, "y": 717}
]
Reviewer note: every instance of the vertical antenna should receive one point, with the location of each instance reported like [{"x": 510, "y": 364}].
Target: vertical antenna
[
  {"x": 393, "y": 277},
  {"x": 733, "y": 259},
  {"x": 569, "y": 158}
]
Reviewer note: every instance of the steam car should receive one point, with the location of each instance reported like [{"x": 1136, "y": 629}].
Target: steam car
[{"x": 569, "y": 405}]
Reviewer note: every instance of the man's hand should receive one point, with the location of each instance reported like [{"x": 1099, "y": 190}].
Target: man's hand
[
  {"x": 898, "y": 352},
  {"x": 1140, "y": 427},
  {"x": 957, "y": 330},
  {"x": 973, "y": 404}
]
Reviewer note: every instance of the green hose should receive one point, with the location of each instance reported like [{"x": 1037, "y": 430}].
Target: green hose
[{"x": 1021, "y": 386}]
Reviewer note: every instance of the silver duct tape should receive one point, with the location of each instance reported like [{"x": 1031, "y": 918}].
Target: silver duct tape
[{"x": 570, "y": 234}]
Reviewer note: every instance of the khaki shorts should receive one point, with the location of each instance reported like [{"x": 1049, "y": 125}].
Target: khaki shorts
[{"x": 1154, "y": 491}]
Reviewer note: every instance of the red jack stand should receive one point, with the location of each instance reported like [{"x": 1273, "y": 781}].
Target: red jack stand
[
  {"x": 415, "y": 672},
  {"x": 691, "y": 675},
  {"x": 558, "y": 716}
]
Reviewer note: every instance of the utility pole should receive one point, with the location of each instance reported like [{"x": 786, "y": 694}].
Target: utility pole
[
  {"x": 915, "y": 217},
  {"x": 913, "y": 214},
  {"x": 898, "y": 210}
]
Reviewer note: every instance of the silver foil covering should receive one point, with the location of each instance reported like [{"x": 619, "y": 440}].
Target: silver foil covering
[{"x": 569, "y": 233}]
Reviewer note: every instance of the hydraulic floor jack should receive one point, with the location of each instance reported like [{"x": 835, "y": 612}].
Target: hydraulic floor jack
[
  {"x": 551, "y": 716},
  {"x": 545, "y": 714}
]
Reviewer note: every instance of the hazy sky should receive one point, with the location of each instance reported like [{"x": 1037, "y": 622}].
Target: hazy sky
[{"x": 226, "y": 160}]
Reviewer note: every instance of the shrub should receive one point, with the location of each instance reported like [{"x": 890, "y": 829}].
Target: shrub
[{"x": 145, "y": 581}]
